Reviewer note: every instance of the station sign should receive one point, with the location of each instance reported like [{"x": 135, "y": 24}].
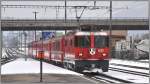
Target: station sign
[{"x": 48, "y": 35}]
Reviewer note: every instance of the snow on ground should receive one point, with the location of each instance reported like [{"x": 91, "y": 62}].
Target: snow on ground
[
  {"x": 129, "y": 77},
  {"x": 3, "y": 53},
  {"x": 131, "y": 69},
  {"x": 131, "y": 63},
  {"x": 20, "y": 66},
  {"x": 23, "y": 50},
  {"x": 144, "y": 60}
]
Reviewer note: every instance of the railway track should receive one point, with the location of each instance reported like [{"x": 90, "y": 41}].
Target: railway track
[
  {"x": 129, "y": 71},
  {"x": 8, "y": 57},
  {"x": 137, "y": 67},
  {"x": 112, "y": 79},
  {"x": 5, "y": 60},
  {"x": 143, "y": 61},
  {"x": 106, "y": 78}
]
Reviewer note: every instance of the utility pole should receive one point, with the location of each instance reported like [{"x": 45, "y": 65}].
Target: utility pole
[
  {"x": 21, "y": 40},
  {"x": 65, "y": 10},
  {"x": 41, "y": 64},
  {"x": 110, "y": 29},
  {"x": 149, "y": 32},
  {"x": 25, "y": 38},
  {"x": 0, "y": 39},
  {"x": 65, "y": 15},
  {"x": 35, "y": 14}
]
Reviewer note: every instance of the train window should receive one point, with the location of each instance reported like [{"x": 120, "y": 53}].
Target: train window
[
  {"x": 101, "y": 41},
  {"x": 65, "y": 42},
  {"x": 71, "y": 42},
  {"x": 82, "y": 41},
  {"x": 58, "y": 45}
]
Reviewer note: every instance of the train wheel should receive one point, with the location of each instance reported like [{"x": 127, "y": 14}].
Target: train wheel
[
  {"x": 78, "y": 69},
  {"x": 65, "y": 65},
  {"x": 105, "y": 69}
]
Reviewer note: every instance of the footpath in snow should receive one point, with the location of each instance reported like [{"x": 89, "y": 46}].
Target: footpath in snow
[{"x": 31, "y": 66}]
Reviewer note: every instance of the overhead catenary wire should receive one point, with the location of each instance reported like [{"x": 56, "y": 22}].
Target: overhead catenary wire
[
  {"x": 75, "y": 0},
  {"x": 79, "y": 17},
  {"x": 134, "y": 5}
]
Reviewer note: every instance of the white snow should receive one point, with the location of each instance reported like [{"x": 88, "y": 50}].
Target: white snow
[
  {"x": 131, "y": 63},
  {"x": 131, "y": 69},
  {"x": 3, "y": 53},
  {"x": 144, "y": 60},
  {"x": 20, "y": 66},
  {"x": 129, "y": 77}
]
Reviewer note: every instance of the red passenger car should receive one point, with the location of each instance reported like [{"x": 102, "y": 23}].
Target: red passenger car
[{"x": 78, "y": 51}]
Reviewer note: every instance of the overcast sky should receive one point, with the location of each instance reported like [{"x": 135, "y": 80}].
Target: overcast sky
[{"x": 121, "y": 9}]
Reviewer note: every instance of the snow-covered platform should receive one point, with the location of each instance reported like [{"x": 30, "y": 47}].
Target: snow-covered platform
[{"x": 21, "y": 71}]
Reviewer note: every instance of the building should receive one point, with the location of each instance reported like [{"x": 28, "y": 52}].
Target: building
[{"x": 118, "y": 35}]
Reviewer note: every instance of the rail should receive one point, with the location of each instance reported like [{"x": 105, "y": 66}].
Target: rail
[{"x": 10, "y": 57}]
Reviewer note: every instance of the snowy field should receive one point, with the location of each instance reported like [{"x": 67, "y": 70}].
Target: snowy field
[{"x": 20, "y": 66}]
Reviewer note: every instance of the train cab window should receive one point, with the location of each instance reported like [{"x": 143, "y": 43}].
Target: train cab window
[
  {"x": 101, "y": 41},
  {"x": 82, "y": 41},
  {"x": 65, "y": 42},
  {"x": 71, "y": 42}
]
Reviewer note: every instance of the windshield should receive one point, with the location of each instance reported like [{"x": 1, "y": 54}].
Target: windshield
[
  {"x": 82, "y": 41},
  {"x": 101, "y": 41}
]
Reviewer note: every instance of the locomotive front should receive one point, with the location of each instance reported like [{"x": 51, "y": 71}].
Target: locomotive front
[{"x": 92, "y": 50}]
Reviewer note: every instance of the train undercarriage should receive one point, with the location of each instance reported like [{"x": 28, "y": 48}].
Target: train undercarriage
[{"x": 81, "y": 65}]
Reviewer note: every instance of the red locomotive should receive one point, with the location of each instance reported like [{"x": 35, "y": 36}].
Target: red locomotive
[{"x": 76, "y": 51}]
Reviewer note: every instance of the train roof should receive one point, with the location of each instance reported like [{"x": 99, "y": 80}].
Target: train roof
[
  {"x": 48, "y": 40},
  {"x": 79, "y": 33},
  {"x": 88, "y": 33}
]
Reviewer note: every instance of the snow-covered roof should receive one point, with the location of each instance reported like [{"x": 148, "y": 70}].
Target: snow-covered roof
[{"x": 143, "y": 45}]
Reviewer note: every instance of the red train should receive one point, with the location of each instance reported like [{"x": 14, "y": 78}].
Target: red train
[{"x": 76, "y": 51}]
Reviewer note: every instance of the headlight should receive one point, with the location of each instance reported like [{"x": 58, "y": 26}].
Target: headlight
[
  {"x": 104, "y": 54},
  {"x": 80, "y": 54},
  {"x": 101, "y": 50}
]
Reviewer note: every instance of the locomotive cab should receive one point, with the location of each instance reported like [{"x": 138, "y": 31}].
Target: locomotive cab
[{"x": 91, "y": 50}]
